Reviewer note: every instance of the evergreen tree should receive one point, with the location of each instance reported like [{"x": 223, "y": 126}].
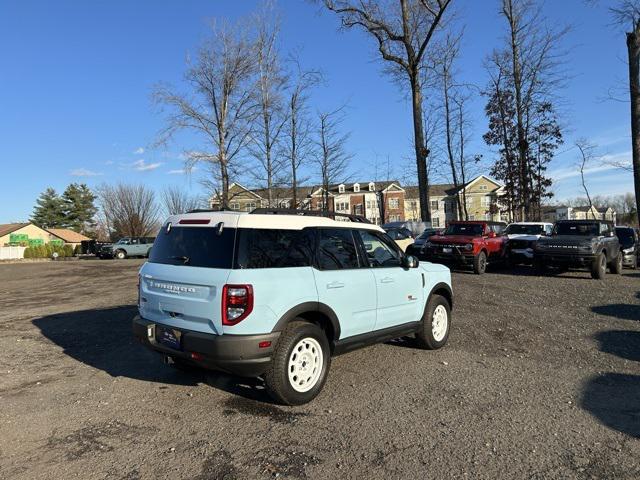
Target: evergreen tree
[
  {"x": 79, "y": 208},
  {"x": 49, "y": 210}
]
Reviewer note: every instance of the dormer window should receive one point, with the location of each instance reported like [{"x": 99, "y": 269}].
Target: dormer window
[
  {"x": 356, "y": 187},
  {"x": 372, "y": 187},
  {"x": 341, "y": 188}
]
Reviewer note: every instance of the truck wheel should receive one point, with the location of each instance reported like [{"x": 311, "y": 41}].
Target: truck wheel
[
  {"x": 480, "y": 263},
  {"x": 299, "y": 365},
  {"x": 616, "y": 265},
  {"x": 599, "y": 267},
  {"x": 121, "y": 254},
  {"x": 436, "y": 322},
  {"x": 539, "y": 266}
]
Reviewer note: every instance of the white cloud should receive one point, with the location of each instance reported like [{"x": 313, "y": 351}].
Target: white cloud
[
  {"x": 605, "y": 163},
  {"x": 138, "y": 151},
  {"x": 109, "y": 162},
  {"x": 142, "y": 166},
  {"x": 83, "y": 172},
  {"x": 181, "y": 171}
]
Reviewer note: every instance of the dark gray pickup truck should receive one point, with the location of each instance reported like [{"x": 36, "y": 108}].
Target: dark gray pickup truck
[{"x": 588, "y": 244}]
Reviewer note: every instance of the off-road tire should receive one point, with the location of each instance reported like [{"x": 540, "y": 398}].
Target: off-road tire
[
  {"x": 425, "y": 336},
  {"x": 539, "y": 266},
  {"x": 480, "y": 263},
  {"x": 599, "y": 267},
  {"x": 616, "y": 265},
  {"x": 120, "y": 255},
  {"x": 276, "y": 378}
]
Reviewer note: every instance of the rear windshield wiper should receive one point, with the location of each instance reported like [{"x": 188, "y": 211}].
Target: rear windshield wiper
[{"x": 184, "y": 259}]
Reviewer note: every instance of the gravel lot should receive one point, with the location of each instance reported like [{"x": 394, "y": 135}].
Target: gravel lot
[{"x": 541, "y": 379}]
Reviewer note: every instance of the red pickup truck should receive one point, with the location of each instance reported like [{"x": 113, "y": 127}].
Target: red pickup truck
[{"x": 475, "y": 243}]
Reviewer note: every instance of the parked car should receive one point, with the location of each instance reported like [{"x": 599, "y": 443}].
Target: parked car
[
  {"x": 417, "y": 247},
  {"x": 277, "y": 296},
  {"x": 127, "y": 247},
  {"x": 630, "y": 245},
  {"x": 589, "y": 244},
  {"x": 401, "y": 236},
  {"x": 522, "y": 238},
  {"x": 475, "y": 243},
  {"x": 416, "y": 228}
]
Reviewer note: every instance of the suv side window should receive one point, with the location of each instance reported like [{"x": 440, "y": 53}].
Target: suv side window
[
  {"x": 604, "y": 229},
  {"x": 266, "y": 248},
  {"x": 380, "y": 251},
  {"x": 134, "y": 241},
  {"x": 336, "y": 249}
]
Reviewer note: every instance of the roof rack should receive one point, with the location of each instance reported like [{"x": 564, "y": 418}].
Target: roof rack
[
  {"x": 310, "y": 213},
  {"x": 208, "y": 210}
]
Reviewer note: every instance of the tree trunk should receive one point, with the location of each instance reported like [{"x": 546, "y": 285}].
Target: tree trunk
[
  {"x": 294, "y": 159},
  {"x": 633, "y": 50},
  {"x": 421, "y": 150},
  {"x": 452, "y": 163}
]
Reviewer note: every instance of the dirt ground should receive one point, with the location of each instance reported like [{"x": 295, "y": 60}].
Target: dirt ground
[{"x": 541, "y": 379}]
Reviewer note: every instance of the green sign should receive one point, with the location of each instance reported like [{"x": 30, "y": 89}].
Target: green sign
[
  {"x": 35, "y": 241},
  {"x": 18, "y": 237},
  {"x": 56, "y": 241}
]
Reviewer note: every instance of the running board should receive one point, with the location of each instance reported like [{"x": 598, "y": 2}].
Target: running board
[{"x": 377, "y": 336}]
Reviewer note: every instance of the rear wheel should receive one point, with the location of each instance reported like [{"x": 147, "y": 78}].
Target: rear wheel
[
  {"x": 299, "y": 365},
  {"x": 599, "y": 266},
  {"x": 121, "y": 254},
  {"x": 436, "y": 322},
  {"x": 480, "y": 263},
  {"x": 616, "y": 265}
]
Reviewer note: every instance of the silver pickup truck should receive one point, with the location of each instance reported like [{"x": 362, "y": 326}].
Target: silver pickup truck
[{"x": 127, "y": 247}]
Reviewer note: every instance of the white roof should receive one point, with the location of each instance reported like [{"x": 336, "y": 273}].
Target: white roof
[{"x": 267, "y": 221}]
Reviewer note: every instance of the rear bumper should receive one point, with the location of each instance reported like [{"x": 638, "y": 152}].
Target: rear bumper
[{"x": 236, "y": 354}]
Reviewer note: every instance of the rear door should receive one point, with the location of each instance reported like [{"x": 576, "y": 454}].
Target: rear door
[
  {"x": 343, "y": 281},
  {"x": 181, "y": 284},
  {"x": 399, "y": 290}
]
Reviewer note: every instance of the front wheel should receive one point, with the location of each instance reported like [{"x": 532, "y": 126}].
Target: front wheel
[
  {"x": 599, "y": 266},
  {"x": 121, "y": 255},
  {"x": 300, "y": 364},
  {"x": 480, "y": 263},
  {"x": 436, "y": 322},
  {"x": 616, "y": 265}
]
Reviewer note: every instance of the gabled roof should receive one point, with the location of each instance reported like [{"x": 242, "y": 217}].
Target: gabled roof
[
  {"x": 7, "y": 228},
  {"x": 443, "y": 190},
  {"x": 68, "y": 236}
]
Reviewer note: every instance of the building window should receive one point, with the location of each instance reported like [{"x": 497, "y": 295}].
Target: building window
[
  {"x": 394, "y": 203},
  {"x": 472, "y": 217},
  {"x": 371, "y": 204},
  {"x": 413, "y": 204},
  {"x": 372, "y": 186},
  {"x": 356, "y": 187},
  {"x": 435, "y": 222},
  {"x": 340, "y": 188},
  {"x": 482, "y": 187},
  {"x": 234, "y": 206},
  {"x": 469, "y": 201},
  {"x": 285, "y": 204},
  {"x": 394, "y": 218},
  {"x": 342, "y": 206},
  {"x": 486, "y": 201},
  {"x": 435, "y": 205},
  {"x": 249, "y": 206},
  {"x": 357, "y": 209}
]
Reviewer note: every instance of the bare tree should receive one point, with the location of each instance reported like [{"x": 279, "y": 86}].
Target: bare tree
[
  {"x": 587, "y": 155},
  {"x": 218, "y": 107},
  {"x": 271, "y": 84},
  {"x": 332, "y": 157},
  {"x": 627, "y": 14},
  {"x": 403, "y": 32},
  {"x": 298, "y": 144},
  {"x": 175, "y": 200},
  {"x": 128, "y": 210}
]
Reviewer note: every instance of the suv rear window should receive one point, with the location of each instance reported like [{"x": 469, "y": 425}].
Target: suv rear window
[
  {"x": 194, "y": 247},
  {"x": 266, "y": 248}
]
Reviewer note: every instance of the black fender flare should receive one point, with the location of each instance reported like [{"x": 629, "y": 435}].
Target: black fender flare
[
  {"x": 307, "y": 307},
  {"x": 442, "y": 286}
]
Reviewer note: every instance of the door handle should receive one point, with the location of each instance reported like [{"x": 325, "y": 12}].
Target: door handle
[
  {"x": 387, "y": 280},
  {"x": 335, "y": 285}
]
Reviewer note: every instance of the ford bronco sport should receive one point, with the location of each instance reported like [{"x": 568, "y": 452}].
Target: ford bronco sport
[
  {"x": 474, "y": 243},
  {"x": 276, "y": 294},
  {"x": 590, "y": 244}
]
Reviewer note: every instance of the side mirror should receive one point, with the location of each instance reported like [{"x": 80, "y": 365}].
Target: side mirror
[{"x": 409, "y": 261}]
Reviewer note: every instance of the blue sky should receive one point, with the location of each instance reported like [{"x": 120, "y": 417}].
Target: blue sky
[{"x": 76, "y": 80}]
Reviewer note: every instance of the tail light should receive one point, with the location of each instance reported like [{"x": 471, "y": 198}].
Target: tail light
[{"x": 237, "y": 303}]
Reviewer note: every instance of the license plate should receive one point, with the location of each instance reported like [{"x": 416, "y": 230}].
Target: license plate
[
  {"x": 168, "y": 337},
  {"x": 446, "y": 250}
]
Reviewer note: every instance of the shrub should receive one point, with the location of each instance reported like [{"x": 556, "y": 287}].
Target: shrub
[
  {"x": 68, "y": 250},
  {"x": 28, "y": 252},
  {"x": 77, "y": 250}
]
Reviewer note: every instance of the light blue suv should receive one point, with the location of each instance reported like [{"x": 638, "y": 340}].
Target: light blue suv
[{"x": 276, "y": 295}]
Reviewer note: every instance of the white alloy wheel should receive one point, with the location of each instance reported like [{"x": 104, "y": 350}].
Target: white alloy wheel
[
  {"x": 305, "y": 364},
  {"x": 439, "y": 323}
]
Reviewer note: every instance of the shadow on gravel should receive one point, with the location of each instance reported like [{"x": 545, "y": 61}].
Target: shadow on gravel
[
  {"x": 102, "y": 339},
  {"x": 614, "y": 399},
  {"x": 618, "y": 310},
  {"x": 622, "y": 343}
]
